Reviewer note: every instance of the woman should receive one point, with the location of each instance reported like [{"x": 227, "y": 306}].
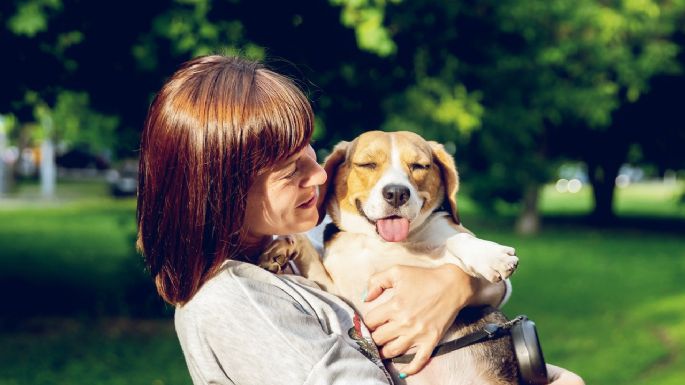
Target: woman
[{"x": 225, "y": 165}]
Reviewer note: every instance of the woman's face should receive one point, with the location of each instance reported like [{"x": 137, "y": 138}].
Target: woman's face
[{"x": 283, "y": 200}]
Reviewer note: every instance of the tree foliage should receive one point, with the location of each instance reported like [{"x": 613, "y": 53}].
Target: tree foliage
[
  {"x": 541, "y": 70},
  {"x": 517, "y": 86},
  {"x": 74, "y": 123}
]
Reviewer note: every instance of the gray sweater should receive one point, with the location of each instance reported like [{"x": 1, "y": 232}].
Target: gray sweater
[{"x": 247, "y": 326}]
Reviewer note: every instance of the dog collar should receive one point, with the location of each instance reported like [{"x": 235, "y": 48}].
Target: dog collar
[{"x": 488, "y": 332}]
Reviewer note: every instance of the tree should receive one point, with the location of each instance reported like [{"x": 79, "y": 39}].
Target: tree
[
  {"x": 70, "y": 62},
  {"x": 7, "y": 123},
  {"x": 77, "y": 48},
  {"x": 537, "y": 69},
  {"x": 120, "y": 71},
  {"x": 500, "y": 80}
]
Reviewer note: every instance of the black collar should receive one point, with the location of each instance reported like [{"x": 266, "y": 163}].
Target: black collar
[{"x": 488, "y": 332}]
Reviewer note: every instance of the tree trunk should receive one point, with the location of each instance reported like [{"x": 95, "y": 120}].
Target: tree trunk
[
  {"x": 528, "y": 221},
  {"x": 603, "y": 179},
  {"x": 48, "y": 168},
  {"x": 4, "y": 169},
  {"x": 48, "y": 171}
]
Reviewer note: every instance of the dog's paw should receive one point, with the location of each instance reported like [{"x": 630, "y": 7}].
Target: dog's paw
[
  {"x": 496, "y": 270},
  {"x": 497, "y": 265},
  {"x": 505, "y": 265},
  {"x": 278, "y": 253}
]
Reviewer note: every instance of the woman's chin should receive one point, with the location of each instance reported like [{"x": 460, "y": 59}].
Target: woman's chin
[{"x": 308, "y": 222}]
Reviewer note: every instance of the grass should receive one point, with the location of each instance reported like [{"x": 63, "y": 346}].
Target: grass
[
  {"x": 108, "y": 351},
  {"x": 608, "y": 304},
  {"x": 83, "y": 250},
  {"x": 79, "y": 308},
  {"x": 653, "y": 199}
]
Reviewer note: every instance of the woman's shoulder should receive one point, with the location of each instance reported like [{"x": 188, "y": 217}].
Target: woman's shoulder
[
  {"x": 242, "y": 292},
  {"x": 259, "y": 324},
  {"x": 234, "y": 284}
]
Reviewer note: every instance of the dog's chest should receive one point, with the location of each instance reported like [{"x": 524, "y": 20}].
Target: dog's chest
[{"x": 352, "y": 258}]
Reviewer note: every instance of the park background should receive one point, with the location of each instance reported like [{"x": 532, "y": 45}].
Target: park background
[{"x": 565, "y": 119}]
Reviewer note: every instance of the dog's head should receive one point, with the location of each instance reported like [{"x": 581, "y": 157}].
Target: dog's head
[{"x": 389, "y": 183}]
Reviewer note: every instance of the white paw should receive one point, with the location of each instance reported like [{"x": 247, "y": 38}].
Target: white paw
[
  {"x": 498, "y": 267},
  {"x": 504, "y": 266},
  {"x": 486, "y": 259}
]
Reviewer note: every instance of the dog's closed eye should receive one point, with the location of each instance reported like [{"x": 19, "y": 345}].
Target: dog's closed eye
[
  {"x": 369, "y": 165},
  {"x": 419, "y": 166}
]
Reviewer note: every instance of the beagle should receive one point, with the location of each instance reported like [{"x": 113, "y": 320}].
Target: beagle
[{"x": 391, "y": 197}]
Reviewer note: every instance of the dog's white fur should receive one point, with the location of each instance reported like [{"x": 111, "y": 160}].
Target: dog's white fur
[
  {"x": 432, "y": 241},
  {"x": 357, "y": 252}
]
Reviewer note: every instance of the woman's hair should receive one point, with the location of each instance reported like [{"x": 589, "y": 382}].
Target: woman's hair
[{"x": 215, "y": 124}]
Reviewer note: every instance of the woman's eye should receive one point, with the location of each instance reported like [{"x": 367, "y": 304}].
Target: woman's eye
[
  {"x": 368, "y": 166},
  {"x": 291, "y": 174},
  {"x": 419, "y": 166}
]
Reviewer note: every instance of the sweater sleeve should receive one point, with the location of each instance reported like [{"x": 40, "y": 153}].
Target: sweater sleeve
[
  {"x": 507, "y": 293},
  {"x": 258, "y": 334},
  {"x": 342, "y": 364}
]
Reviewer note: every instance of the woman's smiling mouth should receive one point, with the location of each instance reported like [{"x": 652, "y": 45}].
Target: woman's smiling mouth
[{"x": 309, "y": 203}]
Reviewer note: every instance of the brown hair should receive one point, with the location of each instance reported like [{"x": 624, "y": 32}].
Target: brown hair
[{"x": 215, "y": 124}]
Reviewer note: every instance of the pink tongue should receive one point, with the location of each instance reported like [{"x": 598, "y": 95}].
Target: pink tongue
[{"x": 393, "y": 229}]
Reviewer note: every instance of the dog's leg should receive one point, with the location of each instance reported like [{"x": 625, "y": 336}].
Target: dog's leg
[
  {"x": 299, "y": 249},
  {"x": 481, "y": 258},
  {"x": 309, "y": 263}
]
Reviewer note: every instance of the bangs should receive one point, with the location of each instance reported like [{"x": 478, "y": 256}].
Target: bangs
[{"x": 284, "y": 119}]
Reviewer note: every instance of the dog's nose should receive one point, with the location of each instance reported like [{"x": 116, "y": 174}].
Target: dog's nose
[{"x": 396, "y": 194}]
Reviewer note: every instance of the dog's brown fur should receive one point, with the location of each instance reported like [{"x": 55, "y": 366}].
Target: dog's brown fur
[{"x": 433, "y": 175}]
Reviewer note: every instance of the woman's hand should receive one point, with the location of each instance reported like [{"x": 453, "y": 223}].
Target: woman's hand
[
  {"x": 560, "y": 376},
  {"x": 421, "y": 305}
]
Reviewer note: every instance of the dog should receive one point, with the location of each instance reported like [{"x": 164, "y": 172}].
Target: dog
[{"x": 391, "y": 197}]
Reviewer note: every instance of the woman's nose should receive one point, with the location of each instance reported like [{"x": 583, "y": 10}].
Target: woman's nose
[{"x": 316, "y": 175}]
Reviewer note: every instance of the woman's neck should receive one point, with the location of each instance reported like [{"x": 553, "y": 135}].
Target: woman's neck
[{"x": 254, "y": 245}]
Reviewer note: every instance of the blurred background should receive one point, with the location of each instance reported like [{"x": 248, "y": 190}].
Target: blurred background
[{"x": 566, "y": 119}]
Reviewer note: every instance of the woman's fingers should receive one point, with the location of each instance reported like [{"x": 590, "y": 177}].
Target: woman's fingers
[
  {"x": 416, "y": 307},
  {"x": 420, "y": 360},
  {"x": 378, "y": 316},
  {"x": 378, "y": 283},
  {"x": 396, "y": 347},
  {"x": 385, "y": 333}
]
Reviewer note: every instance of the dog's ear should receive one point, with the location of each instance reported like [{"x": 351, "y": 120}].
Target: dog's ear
[
  {"x": 331, "y": 164},
  {"x": 450, "y": 177}
]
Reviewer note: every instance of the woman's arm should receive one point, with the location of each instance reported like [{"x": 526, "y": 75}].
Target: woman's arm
[
  {"x": 421, "y": 305},
  {"x": 408, "y": 320},
  {"x": 249, "y": 327}
]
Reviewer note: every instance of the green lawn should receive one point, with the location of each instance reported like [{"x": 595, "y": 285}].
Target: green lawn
[
  {"x": 608, "y": 302},
  {"x": 107, "y": 351},
  {"x": 644, "y": 199},
  {"x": 81, "y": 309}
]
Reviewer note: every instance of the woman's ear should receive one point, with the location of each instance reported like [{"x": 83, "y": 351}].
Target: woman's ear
[
  {"x": 450, "y": 177},
  {"x": 331, "y": 164}
]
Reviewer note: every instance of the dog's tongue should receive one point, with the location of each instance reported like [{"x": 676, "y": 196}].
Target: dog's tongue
[{"x": 393, "y": 229}]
